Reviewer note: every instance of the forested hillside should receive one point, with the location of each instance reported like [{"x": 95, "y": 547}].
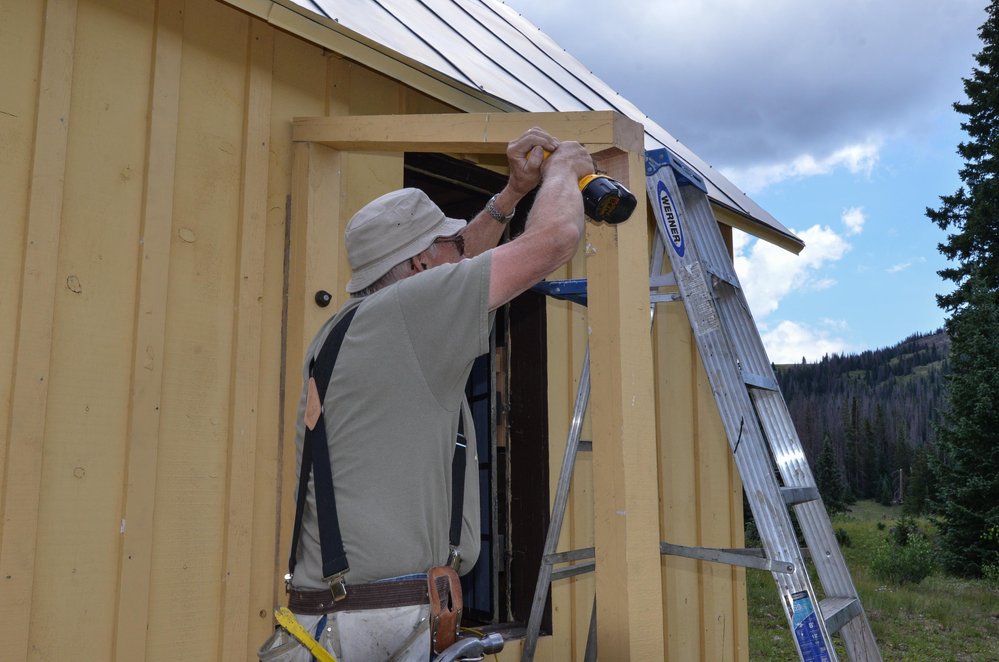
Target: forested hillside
[{"x": 876, "y": 408}]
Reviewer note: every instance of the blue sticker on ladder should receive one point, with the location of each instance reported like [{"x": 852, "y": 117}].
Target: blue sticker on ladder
[
  {"x": 669, "y": 221},
  {"x": 807, "y": 631}
]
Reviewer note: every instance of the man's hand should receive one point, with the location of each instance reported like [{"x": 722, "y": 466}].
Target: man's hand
[
  {"x": 554, "y": 227},
  {"x": 570, "y": 157},
  {"x": 525, "y": 155}
]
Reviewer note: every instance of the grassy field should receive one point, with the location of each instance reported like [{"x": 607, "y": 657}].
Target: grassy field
[{"x": 940, "y": 619}]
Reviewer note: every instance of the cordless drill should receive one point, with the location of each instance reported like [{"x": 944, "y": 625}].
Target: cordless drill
[{"x": 605, "y": 199}]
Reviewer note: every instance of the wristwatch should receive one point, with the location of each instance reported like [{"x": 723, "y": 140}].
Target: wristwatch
[{"x": 497, "y": 215}]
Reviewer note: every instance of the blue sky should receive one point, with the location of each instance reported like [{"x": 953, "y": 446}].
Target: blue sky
[{"x": 834, "y": 116}]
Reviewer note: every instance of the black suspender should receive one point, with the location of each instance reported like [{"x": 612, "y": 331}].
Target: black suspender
[
  {"x": 315, "y": 459},
  {"x": 458, "y": 484}
]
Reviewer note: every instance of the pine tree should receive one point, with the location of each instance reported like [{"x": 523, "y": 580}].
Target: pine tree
[
  {"x": 828, "y": 479},
  {"x": 917, "y": 494},
  {"x": 968, "y": 437}
]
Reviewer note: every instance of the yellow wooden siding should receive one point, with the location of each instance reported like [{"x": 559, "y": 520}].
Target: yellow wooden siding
[{"x": 150, "y": 362}]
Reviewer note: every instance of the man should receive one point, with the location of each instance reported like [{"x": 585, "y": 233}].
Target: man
[{"x": 424, "y": 288}]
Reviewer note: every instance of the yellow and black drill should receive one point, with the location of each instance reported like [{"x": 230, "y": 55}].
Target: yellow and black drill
[{"x": 604, "y": 199}]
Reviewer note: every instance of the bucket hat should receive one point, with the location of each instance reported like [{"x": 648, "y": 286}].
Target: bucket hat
[{"x": 390, "y": 229}]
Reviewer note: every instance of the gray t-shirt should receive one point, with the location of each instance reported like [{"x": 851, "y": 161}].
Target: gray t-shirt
[{"x": 391, "y": 415}]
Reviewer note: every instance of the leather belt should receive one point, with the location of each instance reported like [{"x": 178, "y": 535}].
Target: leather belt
[{"x": 377, "y": 595}]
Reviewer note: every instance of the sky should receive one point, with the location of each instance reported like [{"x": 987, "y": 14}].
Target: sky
[{"x": 835, "y": 117}]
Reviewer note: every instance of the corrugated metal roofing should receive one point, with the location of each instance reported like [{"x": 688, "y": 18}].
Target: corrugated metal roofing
[{"x": 486, "y": 45}]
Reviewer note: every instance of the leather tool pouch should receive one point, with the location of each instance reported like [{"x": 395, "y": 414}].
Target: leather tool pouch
[{"x": 444, "y": 589}]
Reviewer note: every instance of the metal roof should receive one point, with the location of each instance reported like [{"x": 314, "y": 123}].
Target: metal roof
[{"x": 487, "y": 46}]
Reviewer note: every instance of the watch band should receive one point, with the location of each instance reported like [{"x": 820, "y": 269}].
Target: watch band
[{"x": 497, "y": 215}]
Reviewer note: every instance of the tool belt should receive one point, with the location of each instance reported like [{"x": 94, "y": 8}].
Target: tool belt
[
  {"x": 377, "y": 595},
  {"x": 441, "y": 589},
  {"x": 445, "y": 607}
]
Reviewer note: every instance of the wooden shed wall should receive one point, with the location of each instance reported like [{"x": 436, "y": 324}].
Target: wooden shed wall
[{"x": 146, "y": 337}]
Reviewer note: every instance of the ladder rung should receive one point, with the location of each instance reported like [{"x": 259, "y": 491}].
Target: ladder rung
[
  {"x": 837, "y": 612},
  {"x": 572, "y": 555},
  {"x": 573, "y": 570},
  {"x": 585, "y": 554},
  {"x": 746, "y": 558},
  {"x": 795, "y": 495},
  {"x": 759, "y": 381},
  {"x": 663, "y": 280},
  {"x": 574, "y": 290},
  {"x": 665, "y": 297}
]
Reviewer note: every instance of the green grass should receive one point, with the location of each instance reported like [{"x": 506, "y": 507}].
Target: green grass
[{"x": 940, "y": 619}]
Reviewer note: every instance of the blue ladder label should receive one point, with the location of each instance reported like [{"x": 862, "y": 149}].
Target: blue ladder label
[
  {"x": 807, "y": 632},
  {"x": 669, "y": 223}
]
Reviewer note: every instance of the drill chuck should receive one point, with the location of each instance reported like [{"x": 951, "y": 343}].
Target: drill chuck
[{"x": 607, "y": 200}]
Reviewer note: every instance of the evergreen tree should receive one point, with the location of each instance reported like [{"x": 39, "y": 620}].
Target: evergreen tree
[
  {"x": 828, "y": 479},
  {"x": 917, "y": 493},
  {"x": 968, "y": 437}
]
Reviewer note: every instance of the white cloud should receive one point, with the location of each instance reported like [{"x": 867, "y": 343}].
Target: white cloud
[
  {"x": 768, "y": 273},
  {"x": 853, "y": 218},
  {"x": 902, "y": 266},
  {"x": 856, "y": 159},
  {"x": 789, "y": 341}
]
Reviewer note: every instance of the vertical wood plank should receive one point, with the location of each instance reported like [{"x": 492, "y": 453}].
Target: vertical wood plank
[
  {"x": 315, "y": 200},
  {"x": 580, "y": 604},
  {"x": 245, "y": 379},
  {"x": 135, "y": 550},
  {"x": 29, "y": 395},
  {"x": 714, "y": 523},
  {"x": 21, "y": 26},
  {"x": 87, "y": 419},
  {"x": 675, "y": 361},
  {"x": 561, "y": 397},
  {"x": 626, "y": 508},
  {"x": 298, "y": 88},
  {"x": 185, "y": 592}
]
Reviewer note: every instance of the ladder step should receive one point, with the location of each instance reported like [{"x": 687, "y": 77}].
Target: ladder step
[
  {"x": 746, "y": 558},
  {"x": 795, "y": 495},
  {"x": 837, "y": 612},
  {"x": 585, "y": 554},
  {"x": 574, "y": 290},
  {"x": 760, "y": 382},
  {"x": 573, "y": 570},
  {"x": 572, "y": 555}
]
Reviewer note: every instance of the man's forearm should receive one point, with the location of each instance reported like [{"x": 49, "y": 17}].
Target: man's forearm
[{"x": 484, "y": 232}]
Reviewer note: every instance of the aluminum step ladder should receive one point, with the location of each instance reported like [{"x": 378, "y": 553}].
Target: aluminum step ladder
[{"x": 768, "y": 453}]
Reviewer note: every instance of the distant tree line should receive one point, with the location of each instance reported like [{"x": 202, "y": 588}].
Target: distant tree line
[{"x": 866, "y": 420}]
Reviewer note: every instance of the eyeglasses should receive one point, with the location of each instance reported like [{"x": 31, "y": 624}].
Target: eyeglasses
[{"x": 458, "y": 241}]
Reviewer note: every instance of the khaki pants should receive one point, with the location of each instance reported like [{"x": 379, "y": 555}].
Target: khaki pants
[{"x": 396, "y": 634}]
